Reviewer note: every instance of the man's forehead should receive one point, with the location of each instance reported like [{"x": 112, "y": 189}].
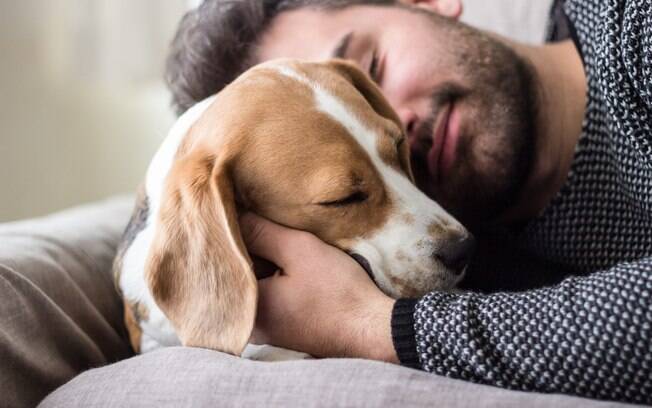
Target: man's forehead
[{"x": 304, "y": 33}]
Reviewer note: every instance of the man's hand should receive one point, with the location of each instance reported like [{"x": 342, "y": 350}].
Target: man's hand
[{"x": 320, "y": 301}]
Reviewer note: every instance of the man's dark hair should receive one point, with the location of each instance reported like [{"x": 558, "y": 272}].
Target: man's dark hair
[{"x": 215, "y": 43}]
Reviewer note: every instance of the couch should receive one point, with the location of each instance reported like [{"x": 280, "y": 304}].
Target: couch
[{"x": 63, "y": 344}]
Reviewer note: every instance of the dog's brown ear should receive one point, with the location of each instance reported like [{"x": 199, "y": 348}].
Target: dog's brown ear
[
  {"x": 198, "y": 269},
  {"x": 375, "y": 98},
  {"x": 367, "y": 88}
]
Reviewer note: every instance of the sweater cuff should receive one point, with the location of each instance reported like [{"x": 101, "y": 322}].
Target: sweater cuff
[{"x": 403, "y": 334}]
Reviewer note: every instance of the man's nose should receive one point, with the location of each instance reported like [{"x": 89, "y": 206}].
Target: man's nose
[
  {"x": 456, "y": 253},
  {"x": 409, "y": 119}
]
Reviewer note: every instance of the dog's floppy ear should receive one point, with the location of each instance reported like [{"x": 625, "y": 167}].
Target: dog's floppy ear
[
  {"x": 367, "y": 88},
  {"x": 375, "y": 98},
  {"x": 198, "y": 269}
]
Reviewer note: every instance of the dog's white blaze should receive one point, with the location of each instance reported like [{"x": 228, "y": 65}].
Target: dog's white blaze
[
  {"x": 157, "y": 330},
  {"x": 414, "y": 241}
]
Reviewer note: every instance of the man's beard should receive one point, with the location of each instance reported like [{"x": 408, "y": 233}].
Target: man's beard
[{"x": 497, "y": 135}]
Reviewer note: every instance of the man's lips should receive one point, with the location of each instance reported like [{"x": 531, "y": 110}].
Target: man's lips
[
  {"x": 441, "y": 132},
  {"x": 447, "y": 142},
  {"x": 438, "y": 146}
]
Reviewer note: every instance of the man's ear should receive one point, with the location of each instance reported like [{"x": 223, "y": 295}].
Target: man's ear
[
  {"x": 198, "y": 269},
  {"x": 448, "y": 8}
]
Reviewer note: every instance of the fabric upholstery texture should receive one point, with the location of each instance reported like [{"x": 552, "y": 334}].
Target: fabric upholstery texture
[
  {"x": 185, "y": 377},
  {"x": 59, "y": 311}
]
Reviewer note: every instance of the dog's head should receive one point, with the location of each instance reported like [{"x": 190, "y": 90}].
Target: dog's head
[{"x": 313, "y": 146}]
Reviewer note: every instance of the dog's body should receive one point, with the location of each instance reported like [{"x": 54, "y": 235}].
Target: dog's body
[{"x": 311, "y": 146}]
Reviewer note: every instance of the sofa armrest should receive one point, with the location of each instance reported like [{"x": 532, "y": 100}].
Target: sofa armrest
[{"x": 60, "y": 313}]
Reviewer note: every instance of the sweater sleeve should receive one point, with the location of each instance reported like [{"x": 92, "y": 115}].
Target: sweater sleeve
[{"x": 588, "y": 336}]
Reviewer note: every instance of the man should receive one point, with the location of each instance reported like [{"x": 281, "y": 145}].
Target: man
[{"x": 547, "y": 158}]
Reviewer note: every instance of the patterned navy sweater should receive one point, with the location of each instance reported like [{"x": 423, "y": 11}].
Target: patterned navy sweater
[{"x": 584, "y": 324}]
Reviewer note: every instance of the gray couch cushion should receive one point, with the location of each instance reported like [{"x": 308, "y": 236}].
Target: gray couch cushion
[
  {"x": 185, "y": 377},
  {"x": 59, "y": 311}
]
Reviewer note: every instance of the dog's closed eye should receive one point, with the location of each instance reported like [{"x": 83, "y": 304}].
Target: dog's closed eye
[{"x": 353, "y": 198}]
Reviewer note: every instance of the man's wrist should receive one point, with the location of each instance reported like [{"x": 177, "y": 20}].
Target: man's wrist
[
  {"x": 371, "y": 336},
  {"x": 383, "y": 349}
]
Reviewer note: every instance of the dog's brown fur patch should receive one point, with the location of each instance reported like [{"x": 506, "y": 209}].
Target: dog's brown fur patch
[
  {"x": 133, "y": 326},
  {"x": 403, "y": 287},
  {"x": 408, "y": 219}
]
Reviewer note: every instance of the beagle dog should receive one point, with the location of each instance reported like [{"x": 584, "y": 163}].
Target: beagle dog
[{"x": 313, "y": 146}]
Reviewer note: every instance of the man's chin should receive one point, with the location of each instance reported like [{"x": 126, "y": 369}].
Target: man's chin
[
  {"x": 422, "y": 178},
  {"x": 466, "y": 198},
  {"x": 465, "y": 201}
]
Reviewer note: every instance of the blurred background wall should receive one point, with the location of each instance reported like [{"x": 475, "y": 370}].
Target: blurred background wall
[{"x": 82, "y": 103}]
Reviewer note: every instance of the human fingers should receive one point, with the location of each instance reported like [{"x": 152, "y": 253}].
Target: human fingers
[{"x": 269, "y": 240}]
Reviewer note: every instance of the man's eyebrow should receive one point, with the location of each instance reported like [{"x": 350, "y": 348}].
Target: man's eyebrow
[{"x": 342, "y": 46}]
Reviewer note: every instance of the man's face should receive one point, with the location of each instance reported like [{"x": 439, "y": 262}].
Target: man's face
[{"x": 466, "y": 100}]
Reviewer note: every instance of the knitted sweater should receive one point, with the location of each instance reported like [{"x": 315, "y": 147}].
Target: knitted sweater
[{"x": 589, "y": 333}]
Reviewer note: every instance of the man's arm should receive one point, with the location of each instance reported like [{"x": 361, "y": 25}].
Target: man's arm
[{"x": 589, "y": 336}]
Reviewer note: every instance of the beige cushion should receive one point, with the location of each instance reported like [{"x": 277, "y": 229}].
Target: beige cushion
[{"x": 59, "y": 311}]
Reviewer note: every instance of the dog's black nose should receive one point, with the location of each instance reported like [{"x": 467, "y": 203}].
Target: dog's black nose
[{"x": 456, "y": 253}]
